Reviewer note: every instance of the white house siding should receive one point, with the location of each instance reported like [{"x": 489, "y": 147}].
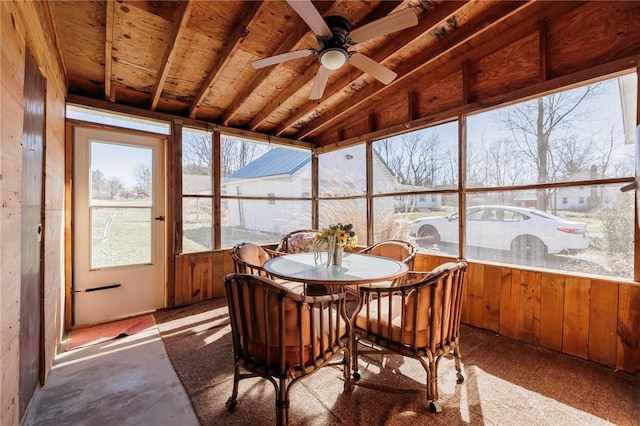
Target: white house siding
[
  {"x": 283, "y": 216},
  {"x": 275, "y": 216},
  {"x": 581, "y": 198}
]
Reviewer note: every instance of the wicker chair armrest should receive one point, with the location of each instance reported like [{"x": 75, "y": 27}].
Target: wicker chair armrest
[
  {"x": 273, "y": 253},
  {"x": 326, "y": 298},
  {"x": 416, "y": 280}
]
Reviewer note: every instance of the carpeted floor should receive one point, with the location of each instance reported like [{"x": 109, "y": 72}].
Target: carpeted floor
[
  {"x": 91, "y": 335},
  {"x": 508, "y": 383}
]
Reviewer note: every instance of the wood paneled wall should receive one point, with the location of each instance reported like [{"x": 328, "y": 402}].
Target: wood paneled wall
[
  {"x": 590, "y": 318},
  {"x": 200, "y": 276},
  {"x": 22, "y": 24}
]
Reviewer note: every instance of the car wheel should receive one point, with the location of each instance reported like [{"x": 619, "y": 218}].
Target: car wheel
[
  {"x": 428, "y": 236},
  {"x": 529, "y": 248}
]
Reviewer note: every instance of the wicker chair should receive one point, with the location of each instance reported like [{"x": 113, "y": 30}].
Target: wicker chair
[
  {"x": 283, "y": 336},
  {"x": 419, "y": 318},
  {"x": 298, "y": 241},
  {"x": 249, "y": 258},
  {"x": 400, "y": 250}
]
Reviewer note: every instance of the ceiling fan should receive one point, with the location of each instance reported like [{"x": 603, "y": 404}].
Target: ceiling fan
[{"x": 334, "y": 36}]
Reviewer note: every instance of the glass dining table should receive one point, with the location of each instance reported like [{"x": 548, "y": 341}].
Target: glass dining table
[{"x": 356, "y": 269}]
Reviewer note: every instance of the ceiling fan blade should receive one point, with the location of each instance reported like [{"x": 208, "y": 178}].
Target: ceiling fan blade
[
  {"x": 396, "y": 21},
  {"x": 320, "y": 83},
  {"x": 276, "y": 59},
  {"x": 311, "y": 16},
  {"x": 371, "y": 67}
]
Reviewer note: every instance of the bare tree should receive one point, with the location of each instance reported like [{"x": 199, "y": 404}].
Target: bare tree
[
  {"x": 197, "y": 153},
  {"x": 142, "y": 175},
  {"x": 238, "y": 153},
  {"x": 197, "y": 156},
  {"x": 98, "y": 184},
  {"x": 415, "y": 159},
  {"x": 534, "y": 124},
  {"x": 114, "y": 186},
  {"x": 571, "y": 157}
]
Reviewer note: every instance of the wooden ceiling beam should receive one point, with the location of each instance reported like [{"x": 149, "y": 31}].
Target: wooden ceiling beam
[
  {"x": 428, "y": 23},
  {"x": 496, "y": 15},
  {"x": 250, "y": 9},
  {"x": 291, "y": 43},
  {"x": 183, "y": 12},
  {"x": 198, "y": 124},
  {"x": 53, "y": 35},
  {"x": 108, "y": 49},
  {"x": 382, "y": 10}
]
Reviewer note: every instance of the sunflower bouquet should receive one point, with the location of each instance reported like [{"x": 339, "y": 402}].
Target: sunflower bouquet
[
  {"x": 336, "y": 238},
  {"x": 339, "y": 234}
]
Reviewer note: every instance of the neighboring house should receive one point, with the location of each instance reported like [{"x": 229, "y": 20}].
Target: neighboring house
[
  {"x": 286, "y": 173},
  {"x": 581, "y": 198},
  {"x": 419, "y": 202},
  {"x": 279, "y": 172}
]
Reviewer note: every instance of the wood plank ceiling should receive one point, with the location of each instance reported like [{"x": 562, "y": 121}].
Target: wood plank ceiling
[{"x": 193, "y": 59}]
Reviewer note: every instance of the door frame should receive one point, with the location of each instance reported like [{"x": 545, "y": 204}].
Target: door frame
[{"x": 70, "y": 129}]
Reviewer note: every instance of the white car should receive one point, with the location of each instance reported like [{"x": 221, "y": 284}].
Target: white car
[{"x": 524, "y": 231}]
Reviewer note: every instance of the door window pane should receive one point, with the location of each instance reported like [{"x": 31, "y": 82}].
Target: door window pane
[
  {"x": 120, "y": 236},
  {"x": 121, "y": 175},
  {"x": 120, "y": 204}
]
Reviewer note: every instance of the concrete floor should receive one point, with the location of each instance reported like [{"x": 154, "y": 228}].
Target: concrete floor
[{"x": 127, "y": 381}]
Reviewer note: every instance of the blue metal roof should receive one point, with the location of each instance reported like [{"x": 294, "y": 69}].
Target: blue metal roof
[{"x": 278, "y": 161}]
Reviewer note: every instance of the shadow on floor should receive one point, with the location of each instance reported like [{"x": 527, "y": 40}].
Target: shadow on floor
[{"x": 508, "y": 382}]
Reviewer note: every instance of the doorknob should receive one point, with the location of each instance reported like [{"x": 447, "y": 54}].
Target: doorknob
[{"x": 160, "y": 218}]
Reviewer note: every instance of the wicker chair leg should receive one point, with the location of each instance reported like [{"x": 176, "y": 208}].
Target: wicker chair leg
[
  {"x": 354, "y": 359},
  {"x": 232, "y": 402},
  {"x": 461, "y": 376},
  {"x": 346, "y": 369},
  {"x": 432, "y": 386},
  {"x": 282, "y": 403}
]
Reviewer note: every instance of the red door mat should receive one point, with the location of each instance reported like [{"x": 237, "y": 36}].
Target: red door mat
[{"x": 91, "y": 335}]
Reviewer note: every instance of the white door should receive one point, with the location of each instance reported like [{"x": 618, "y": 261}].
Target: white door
[{"x": 118, "y": 226}]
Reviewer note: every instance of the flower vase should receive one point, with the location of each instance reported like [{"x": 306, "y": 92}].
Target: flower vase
[{"x": 337, "y": 255}]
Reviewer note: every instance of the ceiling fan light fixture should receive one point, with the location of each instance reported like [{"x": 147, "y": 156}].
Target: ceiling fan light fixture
[{"x": 333, "y": 58}]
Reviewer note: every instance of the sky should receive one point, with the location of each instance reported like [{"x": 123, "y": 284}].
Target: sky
[{"x": 121, "y": 161}]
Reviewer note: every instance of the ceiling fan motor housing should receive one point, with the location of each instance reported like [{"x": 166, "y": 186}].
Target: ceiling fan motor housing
[{"x": 340, "y": 29}]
